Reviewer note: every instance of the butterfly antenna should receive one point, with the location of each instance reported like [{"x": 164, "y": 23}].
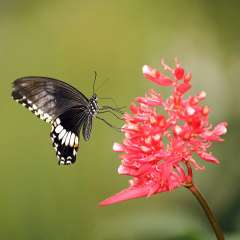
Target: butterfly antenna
[
  {"x": 109, "y": 124},
  {"x": 94, "y": 81},
  {"x": 116, "y": 109},
  {"x": 102, "y": 85}
]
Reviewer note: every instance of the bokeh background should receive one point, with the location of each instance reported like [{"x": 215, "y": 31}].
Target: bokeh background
[{"x": 69, "y": 39}]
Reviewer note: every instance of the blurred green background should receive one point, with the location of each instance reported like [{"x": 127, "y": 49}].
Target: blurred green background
[{"x": 69, "y": 39}]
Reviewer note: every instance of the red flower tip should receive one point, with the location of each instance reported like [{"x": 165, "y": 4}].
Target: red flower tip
[
  {"x": 179, "y": 73},
  {"x": 163, "y": 136}
]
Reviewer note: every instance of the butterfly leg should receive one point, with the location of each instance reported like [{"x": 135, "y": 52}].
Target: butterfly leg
[
  {"x": 118, "y": 109},
  {"x": 109, "y": 111},
  {"x": 109, "y": 124}
]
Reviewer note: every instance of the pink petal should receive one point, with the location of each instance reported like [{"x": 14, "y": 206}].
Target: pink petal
[
  {"x": 122, "y": 170},
  {"x": 118, "y": 147},
  {"x": 208, "y": 157},
  {"x": 210, "y": 136},
  {"x": 201, "y": 95},
  {"x": 149, "y": 101},
  {"x": 188, "y": 77},
  {"x": 126, "y": 194},
  {"x": 190, "y": 110},
  {"x": 156, "y": 77},
  {"x": 215, "y": 134},
  {"x": 220, "y": 129},
  {"x": 184, "y": 87}
]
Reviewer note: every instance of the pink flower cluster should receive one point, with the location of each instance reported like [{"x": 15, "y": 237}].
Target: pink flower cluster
[{"x": 164, "y": 137}]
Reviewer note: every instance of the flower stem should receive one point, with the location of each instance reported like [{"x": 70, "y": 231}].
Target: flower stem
[{"x": 212, "y": 219}]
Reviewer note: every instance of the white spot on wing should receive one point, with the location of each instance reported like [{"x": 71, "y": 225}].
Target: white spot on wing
[
  {"x": 34, "y": 107},
  {"x": 46, "y": 115},
  {"x": 59, "y": 128},
  {"x": 49, "y": 119},
  {"x": 76, "y": 141},
  {"x": 40, "y": 112},
  {"x": 74, "y": 152},
  {"x": 60, "y": 136},
  {"x": 68, "y": 138},
  {"x": 42, "y": 117},
  {"x": 64, "y": 138},
  {"x": 72, "y": 140}
]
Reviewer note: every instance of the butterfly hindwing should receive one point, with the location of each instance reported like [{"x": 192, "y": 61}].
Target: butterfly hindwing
[
  {"x": 65, "y": 133},
  {"x": 46, "y": 97}
]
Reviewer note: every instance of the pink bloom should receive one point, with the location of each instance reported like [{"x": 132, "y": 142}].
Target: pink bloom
[{"x": 163, "y": 138}]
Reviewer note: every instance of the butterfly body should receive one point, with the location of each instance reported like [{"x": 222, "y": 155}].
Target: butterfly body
[{"x": 68, "y": 111}]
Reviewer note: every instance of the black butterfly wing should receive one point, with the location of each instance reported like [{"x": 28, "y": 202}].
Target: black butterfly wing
[
  {"x": 60, "y": 104},
  {"x": 65, "y": 133},
  {"x": 46, "y": 97}
]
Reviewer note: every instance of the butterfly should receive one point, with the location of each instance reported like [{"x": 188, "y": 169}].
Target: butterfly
[{"x": 68, "y": 110}]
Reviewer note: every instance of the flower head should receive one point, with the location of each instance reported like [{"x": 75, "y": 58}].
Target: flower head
[{"x": 164, "y": 137}]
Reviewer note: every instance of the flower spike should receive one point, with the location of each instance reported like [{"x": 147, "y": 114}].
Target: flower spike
[{"x": 164, "y": 136}]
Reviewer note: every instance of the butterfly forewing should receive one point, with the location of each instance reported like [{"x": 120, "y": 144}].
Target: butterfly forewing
[{"x": 46, "y": 97}]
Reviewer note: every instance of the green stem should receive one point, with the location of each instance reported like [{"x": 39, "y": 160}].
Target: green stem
[{"x": 212, "y": 219}]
